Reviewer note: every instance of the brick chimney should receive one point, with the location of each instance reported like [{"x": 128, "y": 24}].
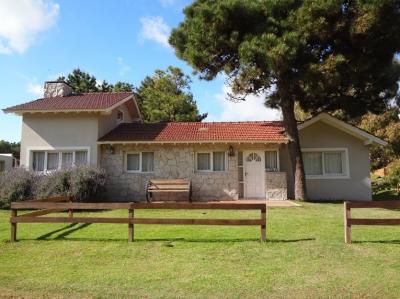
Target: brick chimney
[{"x": 57, "y": 89}]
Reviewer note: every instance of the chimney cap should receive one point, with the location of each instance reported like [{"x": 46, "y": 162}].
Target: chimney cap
[{"x": 58, "y": 81}]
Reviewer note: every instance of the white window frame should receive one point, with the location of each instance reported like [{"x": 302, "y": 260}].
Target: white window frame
[
  {"x": 140, "y": 162},
  {"x": 123, "y": 116},
  {"x": 59, "y": 150},
  {"x": 278, "y": 164},
  {"x": 212, "y": 161},
  {"x": 324, "y": 176}
]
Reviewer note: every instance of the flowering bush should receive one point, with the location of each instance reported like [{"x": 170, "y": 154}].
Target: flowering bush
[
  {"x": 15, "y": 185},
  {"x": 85, "y": 183}
]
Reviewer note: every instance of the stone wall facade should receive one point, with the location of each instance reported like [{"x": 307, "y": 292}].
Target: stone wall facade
[
  {"x": 276, "y": 185},
  {"x": 173, "y": 162}
]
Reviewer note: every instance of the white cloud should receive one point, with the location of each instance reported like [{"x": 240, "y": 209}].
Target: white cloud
[
  {"x": 22, "y": 20},
  {"x": 155, "y": 29},
  {"x": 251, "y": 109},
  {"x": 35, "y": 89},
  {"x": 123, "y": 67}
]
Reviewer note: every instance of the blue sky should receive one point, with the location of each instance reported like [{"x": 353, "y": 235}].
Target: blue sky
[{"x": 113, "y": 40}]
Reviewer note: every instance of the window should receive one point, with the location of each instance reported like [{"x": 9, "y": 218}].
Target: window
[
  {"x": 212, "y": 161},
  {"x": 120, "y": 116},
  {"x": 2, "y": 166},
  {"x": 53, "y": 160},
  {"x": 140, "y": 162},
  {"x": 326, "y": 163},
  {"x": 38, "y": 161},
  {"x": 67, "y": 160},
  {"x": 271, "y": 161}
]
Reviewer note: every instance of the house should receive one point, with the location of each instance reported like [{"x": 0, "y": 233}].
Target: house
[
  {"x": 223, "y": 160},
  {"x": 6, "y": 162}
]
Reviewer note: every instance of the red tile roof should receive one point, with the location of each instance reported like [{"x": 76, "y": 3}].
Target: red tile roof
[
  {"x": 83, "y": 101},
  {"x": 265, "y": 131}
]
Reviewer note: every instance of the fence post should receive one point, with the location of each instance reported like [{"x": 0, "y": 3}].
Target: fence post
[
  {"x": 70, "y": 211},
  {"x": 347, "y": 226},
  {"x": 13, "y": 226},
  {"x": 131, "y": 230},
  {"x": 264, "y": 223}
]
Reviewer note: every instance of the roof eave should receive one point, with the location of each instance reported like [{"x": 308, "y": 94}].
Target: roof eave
[
  {"x": 189, "y": 141},
  {"x": 344, "y": 126}
]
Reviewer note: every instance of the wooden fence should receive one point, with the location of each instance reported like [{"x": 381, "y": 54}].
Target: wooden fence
[
  {"x": 348, "y": 221},
  {"x": 47, "y": 207}
]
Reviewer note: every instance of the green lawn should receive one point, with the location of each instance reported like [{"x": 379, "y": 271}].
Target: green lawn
[{"x": 305, "y": 257}]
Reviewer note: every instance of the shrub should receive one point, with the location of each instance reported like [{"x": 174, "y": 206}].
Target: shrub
[
  {"x": 83, "y": 182},
  {"x": 87, "y": 183},
  {"x": 16, "y": 185},
  {"x": 394, "y": 174},
  {"x": 53, "y": 184}
]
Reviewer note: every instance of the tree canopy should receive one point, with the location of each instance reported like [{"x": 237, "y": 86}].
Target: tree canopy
[
  {"x": 324, "y": 55},
  {"x": 166, "y": 96},
  {"x": 10, "y": 148},
  {"x": 84, "y": 82}
]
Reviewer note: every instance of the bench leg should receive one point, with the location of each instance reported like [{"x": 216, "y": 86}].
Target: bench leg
[
  {"x": 131, "y": 228},
  {"x": 263, "y": 237},
  {"x": 13, "y": 237}
]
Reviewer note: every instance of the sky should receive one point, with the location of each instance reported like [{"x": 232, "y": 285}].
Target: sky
[{"x": 114, "y": 40}]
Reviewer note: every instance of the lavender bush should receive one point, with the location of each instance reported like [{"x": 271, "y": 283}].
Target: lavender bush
[{"x": 83, "y": 182}]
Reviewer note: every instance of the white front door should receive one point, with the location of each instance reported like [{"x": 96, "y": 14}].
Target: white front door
[{"x": 254, "y": 178}]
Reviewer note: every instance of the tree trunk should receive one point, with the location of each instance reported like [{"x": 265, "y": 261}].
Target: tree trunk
[{"x": 292, "y": 133}]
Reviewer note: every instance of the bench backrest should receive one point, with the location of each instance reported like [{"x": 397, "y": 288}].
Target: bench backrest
[{"x": 178, "y": 184}]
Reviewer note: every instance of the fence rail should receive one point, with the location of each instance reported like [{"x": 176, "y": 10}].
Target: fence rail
[
  {"x": 44, "y": 208},
  {"x": 349, "y": 221}
]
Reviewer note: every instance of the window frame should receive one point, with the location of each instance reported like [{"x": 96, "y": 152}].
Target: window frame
[
  {"x": 211, "y": 161},
  {"x": 345, "y": 163},
  {"x": 140, "y": 153},
  {"x": 119, "y": 121},
  {"x": 59, "y": 151},
  {"x": 278, "y": 165}
]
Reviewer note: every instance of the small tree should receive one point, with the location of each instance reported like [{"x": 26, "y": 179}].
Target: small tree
[
  {"x": 166, "y": 96},
  {"x": 325, "y": 55}
]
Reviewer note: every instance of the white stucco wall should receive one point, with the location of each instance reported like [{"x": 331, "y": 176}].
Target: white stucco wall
[
  {"x": 58, "y": 131},
  {"x": 356, "y": 187}
]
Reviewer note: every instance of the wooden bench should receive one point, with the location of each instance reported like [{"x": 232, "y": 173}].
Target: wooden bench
[{"x": 162, "y": 189}]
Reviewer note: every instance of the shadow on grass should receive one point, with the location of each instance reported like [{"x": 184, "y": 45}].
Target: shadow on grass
[
  {"x": 66, "y": 230},
  {"x": 378, "y": 242}
]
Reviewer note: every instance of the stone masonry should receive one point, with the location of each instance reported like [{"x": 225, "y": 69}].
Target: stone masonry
[{"x": 173, "y": 162}]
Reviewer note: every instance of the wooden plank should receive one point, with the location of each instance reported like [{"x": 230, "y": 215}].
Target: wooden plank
[
  {"x": 168, "y": 190},
  {"x": 68, "y": 220},
  {"x": 42, "y": 212},
  {"x": 168, "y": 187},
  {"x": 13, "y": 237},
  {"x": 199, "y": 206},
  {"x": 137, "y": 220},
  {"x": 63, "y": 198},
  {"x": 131, "y": 236},
  {"x": 347, "y": 226},
  {"x": 69, "y": 205},
  {"x": 143, "y": 205},
  {"x": 391, "y": 204},
  {"x": 366, "y": 221},
  {"x": 197, "y": 221},
  {"x": 169, "y": 182}
]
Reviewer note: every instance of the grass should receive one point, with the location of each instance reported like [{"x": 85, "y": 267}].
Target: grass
[
  {"x": 386, "y": 195},
  {"x": 305, "y": 257}
]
